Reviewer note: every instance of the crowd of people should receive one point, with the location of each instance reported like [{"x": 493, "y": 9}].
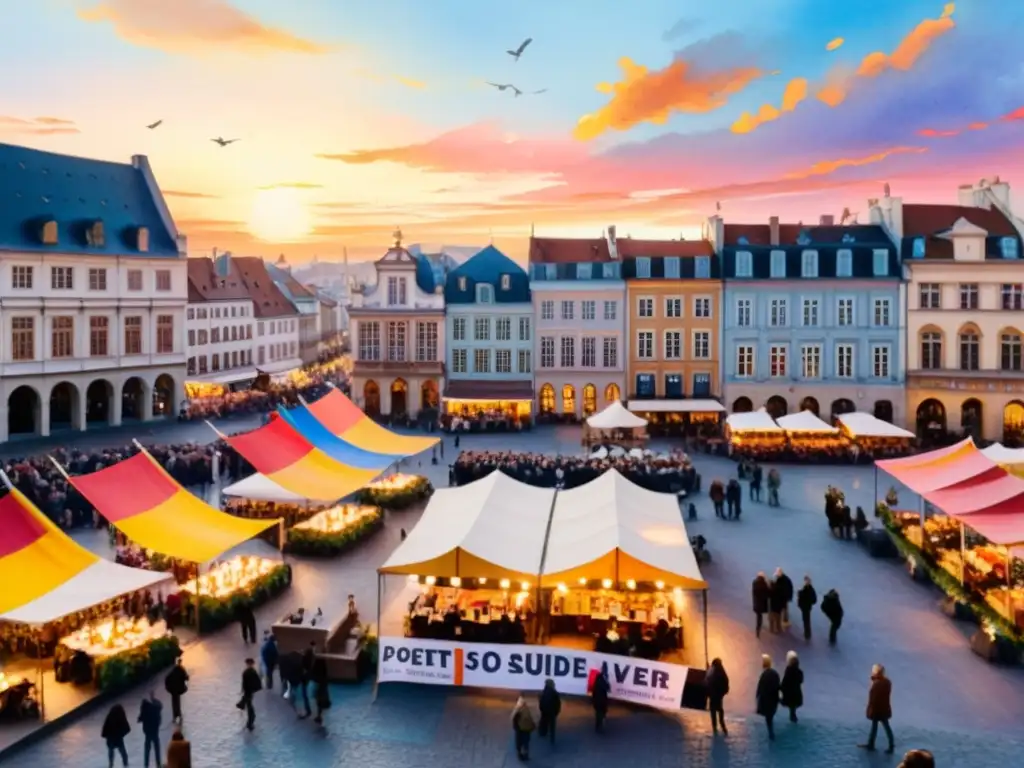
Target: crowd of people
[{"x": 789, "y": 452}]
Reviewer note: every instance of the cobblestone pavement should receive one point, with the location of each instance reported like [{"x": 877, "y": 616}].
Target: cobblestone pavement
[{"x": 945, "y": 699}]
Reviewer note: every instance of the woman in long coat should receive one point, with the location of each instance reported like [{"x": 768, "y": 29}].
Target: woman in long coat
[
  {"x": 767, "y": 695},
  {"x": 792, "y": 687}
]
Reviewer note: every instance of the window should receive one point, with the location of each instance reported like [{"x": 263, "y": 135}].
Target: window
[
  {"x": 23, "y": 337},
  {"x": 672, "y": 267},
  {"x": 589, "y": 352},
  {"x": 645, "y": 307},
  {"x": 931, "y": 351},
  {"x": 673, "y": 307},
  {"x": 611, "y": 270},
  {"x": 482, "y": 360},
  {"x": 133, "y": 335},
  {"x": 567, "y": 310},
  {"x": 702, "y": 345},
  {"x": 702, "y": 306},
  {"x": 215, "y": 334},
  {"x": 744, "y": 264},
  {"x": 584, "y": 271},
  {"x": 98, "y": 279},
  {"x": 458, "y": 329},
  {"x": 643, "y": 266},
  {"x": 810, "y": 361},
  {"x": 970, "y": 354},
  {"x": 506, "y": 282},
  {"x": 135, "y": 284},
  {"x": 163, "y": 279},
  {"x": 396, "y": 342},
  {"x": 844, "y": 263},
  {"x": 744, "y": 361},
  {"x": 568, "y": 399},
  {"x": 524, "y": 329},
  {"x": 930, "y": 296},
  {"x": 369, "y": 341},
  {"x": 550, "y": 271},
  {"x": 880, "y": 262},
  {"x": 810, "y": 313},
  {"x": 98, "y": 336},
  {"x": 396, "y": 291},
  {"x": 260, "y": 328},
  {"x": 503, "y": 329},
  {"x": 880, "y": 361},
  {"x": 611, "y": 352},
  {"x": 743, "y": 313},
  {"x": 524, "y": 361},
  {"x": 882, "y": 316},
  {"x": 164, "y": 334},
  {"x": 459, "y": 358},
  {"x": 702, "y": 267},
  {"x": 809, "y": 264},
  {"x": 1012, "y": 295},
  {"x": 547, "y": 352},
  {"x": 645, "y": 345},
  {"x": 778, "y": 264},
  {"x": 461, "y": 283},
  {"x": 482, "y": 329},
  {"x": 611, "y": 310},
  {"x": 215, "y": 360},
  {"x": 844, "y": 361},
  {"x": 778, "y": 358},
  {"x": 589, "y": 310},
  {"x": 21, "y": 277},
  {"x": 777, "y": 313},
  {"x": 547, "y": 310},
  {"x": 426, "y": 342},
  {"x": 844, "y": 312},
  {"x": 484, "y": 294},
  {"x": 191, "y": 338},
  {"x": 1010, "y": 352},
  {"x": 62, "y": 278},
  {"x": 63, "y": 337},
  {"x": 1010, "y": 248},
  {"x": 918, "y": 252},
  {"x": 673, "y": 345},
  {"x": 568, "y": 352},
  {"x": 190, "y": 366},
  {"x": 968, "y": 296}
]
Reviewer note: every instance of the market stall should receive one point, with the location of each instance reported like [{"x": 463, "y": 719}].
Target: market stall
[
  {"x": 680, "y": 417},
  {"x": 334, "y": 530},
  {"x": 1010, "y": 458},
  {"x": 227, "y": 584},
  {"x": 397, "y": 491},
  {"x": 482, "y": 406},
  {"x": 873, "y": 435},
  {"x": 257, "y": 497},
  {"x": 754, "y": 433},
  {"x": 806, "y": 432},
  {"x": 615, "y": 426}
]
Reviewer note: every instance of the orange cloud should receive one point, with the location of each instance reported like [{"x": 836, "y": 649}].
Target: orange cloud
[
  {"x": 293, "y": 185},
  {"x": 931, "y": 133},
  {"x": 195, "y": 27},
  {"x": 1017, "y": 114},
  {"x": 826, "y": 167},
  {"x": 37, "y": 126},
  {"x": 834, "y": 44},
  {"x": 188, "y": 195},
  {"x": 979, "y": 125},
  {"x": 650, "y": 96},
  {"x": 796, "y": 92}
]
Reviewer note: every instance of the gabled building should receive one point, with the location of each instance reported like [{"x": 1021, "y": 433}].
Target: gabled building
[
  {"x": 277, "y": 319},
  {"x": 397, "y": 332},
  {"x": 489, "y": 336},
  {"x": 93, "y": 288},
  {"x": 306, "y": 304},
  {"x": 812, "y": 318}
]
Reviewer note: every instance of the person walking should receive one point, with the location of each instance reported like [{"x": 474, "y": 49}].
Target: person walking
[
  {"x": 717, "y": 495},
  {"x": 756, "y": 477},
  {"x": 774, "y": 481},
  {"x": 179, "y": 751},
  {"x": 176, "y": 684},
  {"x": 806, "y": 599},
  {"x": 784, "y": 585},
  {"x": 522, "y": 727},
  {"x": 833, "y": 610},
  {"x": 270, "y": 657},
  {"x": 792, "y": 686},
  {"x": 247, "y": 621},
  {"x": 733, "y": 499},
  {"x": 760, "y": 596},
  {"x": 150, "y": 715},
  {"x": 550, "y": 705},
  {"x": 599, "y": 699},
  {"x": 775, "y": 605},
  {"x": 716, "y": 681},
  {"x": 251, "y": 685},
  {"x": 767, "y": 694},
  {"x": 321, "y": 694},
  {"x": 115, "y": 728},
  {"x": 879, "y": 710},
  {"x": 308, "y": 659}
]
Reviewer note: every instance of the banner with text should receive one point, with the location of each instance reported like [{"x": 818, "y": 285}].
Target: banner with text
[{"x": 526, "y": 667}]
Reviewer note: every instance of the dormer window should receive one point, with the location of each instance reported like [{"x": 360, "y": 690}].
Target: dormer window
[
  {"x": 506, "y": 282},
  {"x": 1010, "y": 248},
  {"x": 94, "y": 235},
  {"x": 550, "y": 271},
  {"x": 484, "y": 294},
  {"x": 462, "y": 283},
  {"x": 49, "y": 233},
  {"x": 777, "y": 266},
  {"x": 672, "y": 267},
  {"x": 643, "y": 266},
  {"x": 744, "y": 266},
  {"x": 848, "y": 238},
  {"x": 809, "y": 264},
  {"x": 918, "y": 248},
  {"x": 142, "y": 240},
  {"x": 584, "y": 270}
]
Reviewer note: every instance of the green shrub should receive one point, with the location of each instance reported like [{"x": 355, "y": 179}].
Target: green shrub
[
  {"x": 131, "y": 666},
  {"x": 307, "y": 541},
  {"x": 390, "y": 498}
]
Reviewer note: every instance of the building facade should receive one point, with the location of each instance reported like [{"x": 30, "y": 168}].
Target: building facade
[
  {"x": 276, "y": 348},
  {"x": 579, "y": 298},
  {"x": 489, "y": 333},
  {"x": 221, "y": 325},
  {"x": 965, "y": 311},
  {"x": 812, "y": 318},
  {"x": 306, "y": 304},
  {"x": 673, "y": 295},
  {"x": 397, "y": 330},
  {"x": 93, "y": 288}
]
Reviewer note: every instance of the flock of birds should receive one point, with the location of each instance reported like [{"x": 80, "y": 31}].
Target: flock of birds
[
  {"x": 515, "y": 54},
  {"x": 219, "y": 140}
]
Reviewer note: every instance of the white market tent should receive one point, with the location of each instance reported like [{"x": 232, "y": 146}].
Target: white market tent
[
  {"x": 615, "y": 416},
  {"x": 261, "y": 488},
  {"x": 611, "y": 528},
  {"x": 1000, "y": 454},
  {"x": 805, "y": 421},
  {"x": 752, "y": 421},
  {"x": 860, "y": 424},
  {"x": 676, "y": 406}
]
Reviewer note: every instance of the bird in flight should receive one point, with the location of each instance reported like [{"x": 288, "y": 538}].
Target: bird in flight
[
  {"x": 157, "y": 124},
  {"x": 223, "y": 142},
  {"x": 537, "y": 93},
  {"x": 519, "y": 51},
  {"x": 504, "y": 87}
]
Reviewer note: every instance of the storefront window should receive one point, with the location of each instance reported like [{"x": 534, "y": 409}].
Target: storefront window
[
  {"x": 589, "y": 400},
  {"x": 568, "y": 399},
  {"x": 547, "y": 399}
]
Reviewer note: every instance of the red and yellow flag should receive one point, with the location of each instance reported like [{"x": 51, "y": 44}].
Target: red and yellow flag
[{"x": 346, "y": 420}]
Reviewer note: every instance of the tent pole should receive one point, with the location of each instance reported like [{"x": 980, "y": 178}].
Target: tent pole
[
  {"x": 874, "y": 499},
  {"x": 963, "y": 554},
  {"x": 1009, "y": 586},
  {"x": 42, "y": 690},
  {"x": 198, "y": 629},
  {"x": 921, "y": 510},
  {"x": 280, "y": 535},
  {"x": 376, "y": 681},
  {"x": 706, "y": 662}
]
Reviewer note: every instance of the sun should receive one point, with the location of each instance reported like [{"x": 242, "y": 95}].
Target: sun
[{"x": 279, "y": 216}]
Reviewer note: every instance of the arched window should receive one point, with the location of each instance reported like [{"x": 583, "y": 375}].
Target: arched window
[
  {"x": 931, "y": 350},
  {"x": 970, "y": 355},
  {"x": 1010, "y": 351},
  {"x": 1013, "y": 422},
  {"x": 568, "y": 399},
  {"x": 589, "y": 400},
  {"x": 547, "y": 399},
  {"x": 612, "y": 393}
]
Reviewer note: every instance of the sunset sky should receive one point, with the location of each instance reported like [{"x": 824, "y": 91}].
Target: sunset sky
[{"x": 354, "y": 117}]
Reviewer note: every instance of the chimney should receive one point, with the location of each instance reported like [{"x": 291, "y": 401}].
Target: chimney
[
  {"x": 613, "y": 243},
  {"x": 773, "y": 224},
  {"x": 826, "y": 220},
  {"x": 142, "y": 239}
]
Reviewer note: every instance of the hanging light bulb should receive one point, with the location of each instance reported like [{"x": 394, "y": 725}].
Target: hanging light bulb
[
  {"x": 659, "y": 584},
  {"x": 526, "y": 585},
  {"x": 583, "y": 582},
  {"x": 504, "y": 583},
  {"x": 413, "y": 578},
  {"x": 630, "y": 584},
  {"x": 563, "y": 588},
  {"x": 481, "y": 581},
  {"x": 607, "y": 583},
  {"x": 431, "y": 580},
  {"x": 455, "y": 581}
]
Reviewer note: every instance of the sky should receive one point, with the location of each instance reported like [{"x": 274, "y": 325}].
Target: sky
[{"x": 354, "y": 118}]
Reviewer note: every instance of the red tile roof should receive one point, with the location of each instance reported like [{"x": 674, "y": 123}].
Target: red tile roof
[
  {"x": 299, "y": 291},
  {"x": 630, "y": 248},
  {"x": 925, "y": 220},
  {"x": 564, "y": 250},
  {"x": 204, "y": 284},
  {"x": 267, "y": 300}
]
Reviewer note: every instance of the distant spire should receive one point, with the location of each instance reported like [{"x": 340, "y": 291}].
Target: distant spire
[{"x": 397, "y": 234}]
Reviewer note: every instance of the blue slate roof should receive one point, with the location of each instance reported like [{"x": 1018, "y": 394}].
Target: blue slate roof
[
  {"x": 426, "y": 277},
  {"x": 76, "y": 192},
  {"x": 487, "y": 268}
]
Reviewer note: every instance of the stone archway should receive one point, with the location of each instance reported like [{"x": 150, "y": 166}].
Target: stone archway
[
  {"x": 165, "y": 396},
  {"x": 24, "y": 411},
  {"x": 810, "y": 404},
  {"x": 371, "y": 398},
  {"x": 1013, "y": 423},
  {"x": 971, "y": 417},
  {"x": 842, "y": 406},
  {"x": 428, "y": 394},
  {"x": 776, "y": 406},
  {"x": 589, "y": 400},
  {"x": 399, "y": 397},
  {"x": 65, "y": 405},
  {"x": 931, "y": 417},
  {"x": 547, "y": 399},
  {"x": 99, "y": 400},
  {"x": 883, "y": 410},
  {"x": 133, "y": 398},
  {"x": 742, "y": 405},
  {"x": 612, "y": 393}
]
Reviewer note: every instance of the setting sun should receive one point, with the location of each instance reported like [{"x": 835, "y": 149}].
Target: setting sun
[{"x": 279, "y": 215}]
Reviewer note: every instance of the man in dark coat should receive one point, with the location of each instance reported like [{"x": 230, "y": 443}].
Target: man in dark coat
[
  {"x": 879, "y": 708},
  {"x": 599, "y": 699},
  {"x": 176, "y": 684},
  {"x": 247, "y": 620},
  {"x": 833, "y": 610},
  {"x": 550, "y": 706},
  {"x": 716, "y": 681},
  {"x": 806, "y": 599},
  {"x": 251, "y": 685},
  {"x": 150, "y": 712},
  {"x": 760, "y": 594},
  {"x": 783, "y": 585},
  {"x": 755, "y": 483},
  {"x": 733, "y": 499},
  {"x": 767, "y": 694},
  {"x": 269, "y": 655},
  {"x": 308, "y": 659}
]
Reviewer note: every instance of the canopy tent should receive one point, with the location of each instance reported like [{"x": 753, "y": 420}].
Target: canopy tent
[
  {"x": 676, "y": 406},
  {"x": 991, "y": 502},
  {"x": 1000, "y": 454},
  {"x": 261, "y": 488},
  {"x": 611, "y": 528},
  {"x": 316, "y": 434},
  {"x": 860, "y": 424},
  {"x": 46, "y": 575},
  {"x": 615, "y": 416},
  {"x": 149, "y": 507},
  {"x": 805, "y": 421},
  {"x": 932, "y": 471},
  {"x": 491, "y": 528},
  {"x": 344, "y": 419},
  {"x": 752, "y": 421},
  {"x": 286, "y": 457}
]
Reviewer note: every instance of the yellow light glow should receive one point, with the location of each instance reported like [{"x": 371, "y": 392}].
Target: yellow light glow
[
  {"x": 414, "y": 578},
  {"x": 659, "y": 584},
  {"x": 607, "y": 583},
  {"x": 562, "y": 588},
  {"x": 455, "y": 581},
  {"x": 481, "y": 581},
  {"x": 504, "y": 583},
  {"x": 394, "y": 483},
  {"x": 279, "y": 216},
  {"x": 431, "y": 580},
  {"x": 630, "y": 584},
  {"x": 526, "y": 585},
  {"x": 583, "y": 581},
  {"x": 232, "y": 576},
  {"x": 339, "y": 519},
  {"x": 113, "y": 635}
]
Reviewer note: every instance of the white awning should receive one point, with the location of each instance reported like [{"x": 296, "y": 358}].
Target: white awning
[
  {"x": 613, "y": 529},
  {"x": 805, "y": 421},
  {"x": 752, "y": 421},
  {"x": 225, "y": 377},
  {"x": 860, "y": 424},
  {"x": 1000, "y": 454},
  {"x": 676, "y": 406},
  {"x": 491, "y": 528},
  {"x": 615, "y": 416},
  {"x": 261, "y": 488}
]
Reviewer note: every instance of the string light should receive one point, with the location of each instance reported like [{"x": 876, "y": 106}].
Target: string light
[
  {"x": 413, "y": 578},
  {"x": 504, "y": 583},
  {"x": 607, "y": 583},
  {"x": 562, "y": 588},
  {"x": 583, "y": 582},
  {"x": 630, "y": 584},
  {"x": 431, "y": 580},
  {"x": 526, "y": 585},
  {"x": 455, "y": 581},
  {"x": 659, "y": 584},
  {"x": 481, "y": 581}
]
